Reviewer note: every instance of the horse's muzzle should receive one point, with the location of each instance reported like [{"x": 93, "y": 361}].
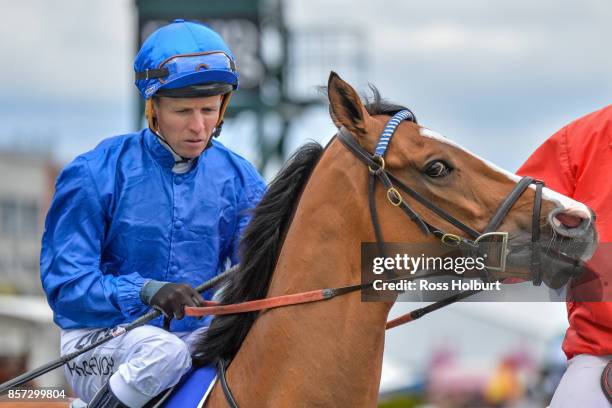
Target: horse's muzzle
[{"x": 571, "y": 223}]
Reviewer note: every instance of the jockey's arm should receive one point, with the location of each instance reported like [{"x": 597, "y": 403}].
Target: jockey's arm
[{"x": 72, "y": 245}]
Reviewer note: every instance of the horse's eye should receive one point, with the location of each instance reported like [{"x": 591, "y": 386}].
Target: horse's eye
[{"x": 437, "y": 168}]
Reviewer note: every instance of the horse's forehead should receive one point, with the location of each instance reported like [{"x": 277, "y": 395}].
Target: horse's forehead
[
  {"x": 432, "y": 134},
  {"x": 547, "y": 193},
  {"x": 426, "y": 132}
]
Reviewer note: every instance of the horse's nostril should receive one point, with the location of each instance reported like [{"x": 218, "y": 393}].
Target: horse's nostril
[{"x": 569, "y": 220}]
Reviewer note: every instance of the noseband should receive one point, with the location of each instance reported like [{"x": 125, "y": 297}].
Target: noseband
[{"x": 377, "y": 170}]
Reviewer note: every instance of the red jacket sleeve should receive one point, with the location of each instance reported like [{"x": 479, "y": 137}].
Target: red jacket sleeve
[{"x": 551, "y": 163}]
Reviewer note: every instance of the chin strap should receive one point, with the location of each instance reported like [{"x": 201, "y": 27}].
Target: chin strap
[{"x": 182, "y": 159}]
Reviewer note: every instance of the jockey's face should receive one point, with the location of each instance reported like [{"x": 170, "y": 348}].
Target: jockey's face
[{"x": 187, "y": 123}]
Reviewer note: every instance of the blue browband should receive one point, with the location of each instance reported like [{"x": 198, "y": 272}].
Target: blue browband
[{"x": 387, "y": 133}]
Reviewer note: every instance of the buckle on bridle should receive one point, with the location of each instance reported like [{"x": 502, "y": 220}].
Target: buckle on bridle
[
  {"x": 451, "y": 240},
  {"x": 381, "y": 165},
  {"x": 497, "y": 238},
  {"x": 394, "y": 197}
]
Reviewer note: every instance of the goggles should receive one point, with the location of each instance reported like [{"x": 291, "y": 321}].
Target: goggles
[{"x": 178, "y": 66}]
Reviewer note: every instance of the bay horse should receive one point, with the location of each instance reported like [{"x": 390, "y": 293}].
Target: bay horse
[
  {"x": 306, "y": 234},
  {"x": 307, "y": 231}
]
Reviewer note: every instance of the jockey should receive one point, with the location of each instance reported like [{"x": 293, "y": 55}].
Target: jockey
[
  {"x": 577, "y": 162},
  {"x": 141, "y": 219}
]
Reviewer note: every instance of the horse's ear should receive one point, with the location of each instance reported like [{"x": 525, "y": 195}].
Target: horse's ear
[{"x": 345, "y": 107}]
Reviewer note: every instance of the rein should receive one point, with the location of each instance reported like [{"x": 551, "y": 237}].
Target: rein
[{"x": 214, "y": 308}]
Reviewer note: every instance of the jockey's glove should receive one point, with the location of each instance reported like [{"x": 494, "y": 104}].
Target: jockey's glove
[{"x": 170, "y": 298}]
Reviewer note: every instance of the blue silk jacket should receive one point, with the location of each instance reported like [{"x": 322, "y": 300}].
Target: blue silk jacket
[{"x": 121, "y": 217}]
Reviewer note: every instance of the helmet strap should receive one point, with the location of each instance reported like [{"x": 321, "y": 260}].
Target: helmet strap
[
  {"x": 150, "y": 115},
  {"x": 224, "y": 103},
  {"x": 165, "y": 143},
  {"x": 217, "y": 131}
]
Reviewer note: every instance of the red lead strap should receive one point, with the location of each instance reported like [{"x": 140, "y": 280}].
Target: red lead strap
[{"x": 214, "y": 308}]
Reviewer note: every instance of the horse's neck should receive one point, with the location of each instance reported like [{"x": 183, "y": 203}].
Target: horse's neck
[{"x": 327, "y": 353}]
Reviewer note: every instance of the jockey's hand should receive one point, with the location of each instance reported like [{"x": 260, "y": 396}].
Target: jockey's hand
[{"x": 170, "y": 298}]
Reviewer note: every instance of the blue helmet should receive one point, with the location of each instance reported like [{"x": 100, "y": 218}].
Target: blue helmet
[{"x": 185, "y": 59}]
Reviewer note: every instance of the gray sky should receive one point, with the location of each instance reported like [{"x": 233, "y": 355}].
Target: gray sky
[{"x": 496, "y": 76}]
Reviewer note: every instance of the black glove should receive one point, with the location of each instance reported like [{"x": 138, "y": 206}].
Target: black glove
[{"x": 170, "y": 298}]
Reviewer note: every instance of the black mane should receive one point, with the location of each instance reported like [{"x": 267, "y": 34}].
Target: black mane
[
  {"x": 261, "y": 245},
  {"x": 379, "y": 106}
]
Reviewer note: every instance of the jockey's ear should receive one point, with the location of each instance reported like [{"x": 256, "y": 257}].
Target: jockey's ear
[{"x": 345, "y": 106}]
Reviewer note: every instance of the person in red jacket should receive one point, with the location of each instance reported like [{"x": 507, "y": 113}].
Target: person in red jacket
[{"x": 577, "y": 162}]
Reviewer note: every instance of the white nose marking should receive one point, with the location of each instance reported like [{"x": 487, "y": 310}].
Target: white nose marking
[{"x": 570, "y": 206}]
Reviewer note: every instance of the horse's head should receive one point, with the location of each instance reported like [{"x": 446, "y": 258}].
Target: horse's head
[{"x": 451, "y": 191}]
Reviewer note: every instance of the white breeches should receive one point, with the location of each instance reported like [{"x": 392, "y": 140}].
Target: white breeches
[
  {"x": 148, "y": 358},
  {"x": 580, "y": 385}
]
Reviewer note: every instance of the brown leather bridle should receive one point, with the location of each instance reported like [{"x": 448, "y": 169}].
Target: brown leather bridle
[{"x": 377, "y": 171}]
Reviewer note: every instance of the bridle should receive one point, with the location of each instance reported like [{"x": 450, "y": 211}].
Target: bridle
[{"x": 377, "y": 171}]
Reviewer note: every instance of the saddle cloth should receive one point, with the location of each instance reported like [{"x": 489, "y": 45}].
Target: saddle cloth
[{"x": 193, "y": 388}]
